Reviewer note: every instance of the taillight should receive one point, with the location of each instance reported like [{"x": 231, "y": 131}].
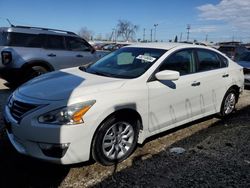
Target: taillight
[{"x": 6, "y": 57}]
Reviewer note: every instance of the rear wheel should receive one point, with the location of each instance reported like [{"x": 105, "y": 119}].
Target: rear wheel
[
  {"x": 115, "y": 140},
  {"x": 228, "y": 103}
]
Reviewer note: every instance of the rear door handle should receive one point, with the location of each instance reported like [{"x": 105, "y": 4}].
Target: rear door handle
[
  {"x": 79, "y": 55},
  {"x": 225, "y": 75},
  {"x": 52, "y": 55},
  {"x": 195, "y": 84}
]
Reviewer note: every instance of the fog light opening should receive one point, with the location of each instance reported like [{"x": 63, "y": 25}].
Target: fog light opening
[{"x": 54, "y": 150}]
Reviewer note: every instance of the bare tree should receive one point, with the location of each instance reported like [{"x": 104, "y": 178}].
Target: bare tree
[
  {"x": 85, "y": 33},
  {"x": 126, "y": 30}
]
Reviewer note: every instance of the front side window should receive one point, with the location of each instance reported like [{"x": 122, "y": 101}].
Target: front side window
[
  {"x": 181, "y": 61},
  {"x": 207, "y": 60},
  {"x": 129, "y": 62},
  {"x": 76, "y": 44}
]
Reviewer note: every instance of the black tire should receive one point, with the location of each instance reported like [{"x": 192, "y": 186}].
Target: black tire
[
  {"x": 34, "y": 71},
  {"x": 228, "y": 104},
  {"x": 123, "y": 147}
]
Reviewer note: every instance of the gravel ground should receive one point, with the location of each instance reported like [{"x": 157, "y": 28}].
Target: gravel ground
[{"x": 217, "y": 154}]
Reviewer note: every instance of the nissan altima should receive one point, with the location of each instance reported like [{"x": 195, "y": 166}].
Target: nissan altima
[{"x": 103, "y": 110}]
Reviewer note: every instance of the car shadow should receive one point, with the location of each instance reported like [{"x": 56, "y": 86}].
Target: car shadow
[
  {"x": 22, "y": 171},
  {"x": 209, "y": 153},
  {"x": 247, "y": 88}
]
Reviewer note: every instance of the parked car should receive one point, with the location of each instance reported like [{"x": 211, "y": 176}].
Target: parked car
[
  {"x": 27, "y": 52},
  {"x": 110, "y": 46},
  {"x": 244, "y": 61},
  {"x": 99, "y": 46},
  {"x": 232, "y": 51},
  {"x": 103, "y": 110}
]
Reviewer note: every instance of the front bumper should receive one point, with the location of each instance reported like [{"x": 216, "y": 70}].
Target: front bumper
[{"x": 29, "y": 137}]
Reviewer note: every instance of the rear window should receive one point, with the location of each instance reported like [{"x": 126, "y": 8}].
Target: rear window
[
  {"x": 3, "y": 38},
  {"x": 24, "y": 40}
]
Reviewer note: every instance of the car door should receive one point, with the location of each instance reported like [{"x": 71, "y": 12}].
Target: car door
[
  {"x": 173, "y": 102},
  {"x": 81, "y": 51},
  {"x": 56, "y": 53},
  {"x": 213, "y": 74}
]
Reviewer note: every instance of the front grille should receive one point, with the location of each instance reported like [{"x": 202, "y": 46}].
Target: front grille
[{"x": 18, "y": 109}]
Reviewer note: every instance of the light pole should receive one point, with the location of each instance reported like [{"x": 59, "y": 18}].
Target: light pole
[
  {"x": 144, "y": 31},
  {"x": 188, "y": 28},
  {"x": 151, "y": 31},
  {"x": 155, "y": 25}
]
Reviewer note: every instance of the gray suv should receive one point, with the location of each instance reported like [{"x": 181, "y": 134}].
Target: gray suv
[{"x": 27, "y": 52}]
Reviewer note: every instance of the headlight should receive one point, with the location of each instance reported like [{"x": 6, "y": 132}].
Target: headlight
[{"x": 69, "y": 115}]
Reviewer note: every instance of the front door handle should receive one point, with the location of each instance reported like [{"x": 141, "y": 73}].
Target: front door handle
[
  {"x": 52, "y": 55},
  {"x": 195, "y": 84},
  {"x": 79, "y": 55},
  {"x": 225, "y": 75}
]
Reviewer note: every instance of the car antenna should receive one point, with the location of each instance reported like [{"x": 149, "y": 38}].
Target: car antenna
[{"x": 10, "y": 22}]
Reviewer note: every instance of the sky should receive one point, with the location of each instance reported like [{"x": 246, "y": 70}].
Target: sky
[{"x": 211, "y": 20}]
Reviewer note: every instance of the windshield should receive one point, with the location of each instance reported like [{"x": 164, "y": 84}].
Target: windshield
[
  {"x": 245, "y": 57},
  {"x": 128, "y": 62}
]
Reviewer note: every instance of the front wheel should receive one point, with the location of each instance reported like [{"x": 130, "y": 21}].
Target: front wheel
[
  {"x": 228, "y": 103},
  {"x": 35, "y": 71},
  {"x": 115, "y": 140}
]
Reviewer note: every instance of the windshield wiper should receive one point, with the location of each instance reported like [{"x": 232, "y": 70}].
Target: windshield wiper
[
  {"x": 98, "y": 73},
  {"x": 85, "y": 69}
]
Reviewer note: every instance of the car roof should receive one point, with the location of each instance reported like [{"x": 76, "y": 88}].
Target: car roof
[
  {"x": 166, "y": 46},
  {"x": 37, "y": 30}
]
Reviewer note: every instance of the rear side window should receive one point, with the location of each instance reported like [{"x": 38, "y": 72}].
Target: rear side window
[
  {"x": 224, "y": 61},
  {"x": 54, "y": 42},
  {"x": 77, "y": 44},
  {"x": 208, "y": 60},
  {"x": 181, "y": 61},
  {"x": 3, "y": 38},
  {"x": 24, "y": 40}
]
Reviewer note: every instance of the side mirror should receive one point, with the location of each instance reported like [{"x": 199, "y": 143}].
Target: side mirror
[{"x": 167, "y": 75}]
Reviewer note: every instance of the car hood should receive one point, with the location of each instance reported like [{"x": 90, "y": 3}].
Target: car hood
[{"x": 67, "y": 83}]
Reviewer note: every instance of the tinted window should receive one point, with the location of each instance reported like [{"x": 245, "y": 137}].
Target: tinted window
[
  {"x": 55, "y": 42},
  {"x": 181, "y": 61},
  {"x": 77, "y": 44},
  {"x": 3, "y": 38},
  {"x": 24, "y": 40},
  {"x": 208, "y": 60},
  {"x": 126, "y": 62}
]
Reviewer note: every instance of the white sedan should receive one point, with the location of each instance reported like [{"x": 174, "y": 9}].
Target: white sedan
[{"x": 105, "y": 109}]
